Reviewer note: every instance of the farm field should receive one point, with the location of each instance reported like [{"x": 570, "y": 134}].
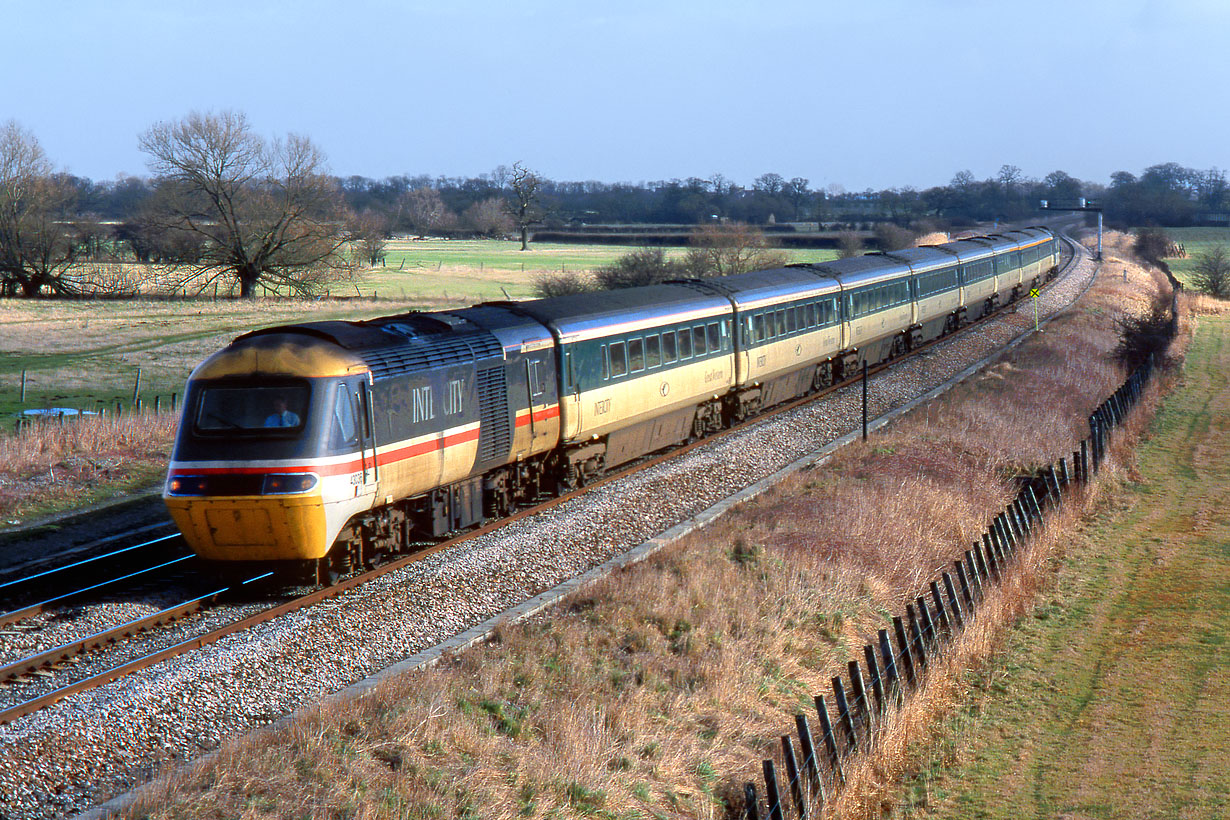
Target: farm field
[
  {"x": 1112, "y": 701},
  {"x": 1195, "y": 241},
  {"x": 481, "y": 270}
]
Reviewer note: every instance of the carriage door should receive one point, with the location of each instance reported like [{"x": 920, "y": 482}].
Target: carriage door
[
  {"x": 367, "y": 439},
  {"x": 540, "y": 386}
]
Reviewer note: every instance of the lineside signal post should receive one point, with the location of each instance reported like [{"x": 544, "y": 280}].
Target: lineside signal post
[
  {"x": 1033, "y": 294},
  {"x": 1080, "y": 204}
]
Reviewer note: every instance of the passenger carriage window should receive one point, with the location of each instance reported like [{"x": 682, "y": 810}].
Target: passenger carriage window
[
  {"x": 619, "y": 359},
  {"x": 685, "y": 343},
  {"x": 809, "y": 314},
  {"x": 715, "y": 337},
  {"x": 668, "y": 346},
  {"x": 606, "y": 364},
  {"x": 636, "y": 355},
  {"x": 726, "y": 336},
  {"x": 758, "y": 320},
  {"x": 698, "y": 340},
  {"x": 792, "y": 320},
  {"x": 781, "y": 323},
  {"x": 653, "y": 351}
]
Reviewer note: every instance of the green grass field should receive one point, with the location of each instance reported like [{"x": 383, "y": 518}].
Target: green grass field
[
  {"x": 484, "y": 270},
  {"x": 1113, "y": 700},
  {"x": 1195, "y": 241}
]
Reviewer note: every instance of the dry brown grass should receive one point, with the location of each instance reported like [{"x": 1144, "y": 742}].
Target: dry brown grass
[
  {"x": 658, "y": 690},
  {"x": 56, "y": 463}
]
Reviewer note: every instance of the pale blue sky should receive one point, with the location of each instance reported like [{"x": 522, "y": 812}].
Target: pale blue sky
[{"x": 866, "y": 93}]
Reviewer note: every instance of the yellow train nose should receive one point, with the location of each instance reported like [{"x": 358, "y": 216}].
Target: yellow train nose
[{"x": 246, "y": 528}]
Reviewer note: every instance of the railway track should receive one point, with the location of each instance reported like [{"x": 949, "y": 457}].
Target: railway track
[
  {"x": 31, "y": 595},
  {"x": 48, "y": 663}
]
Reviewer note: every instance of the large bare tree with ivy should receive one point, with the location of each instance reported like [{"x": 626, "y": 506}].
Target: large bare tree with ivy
[
  {"x": 265, "y": 209},
  {"x": 40, "y": 240}
]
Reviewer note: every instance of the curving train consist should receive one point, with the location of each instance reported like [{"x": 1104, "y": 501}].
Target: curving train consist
[{"x": 332, "y": 442}]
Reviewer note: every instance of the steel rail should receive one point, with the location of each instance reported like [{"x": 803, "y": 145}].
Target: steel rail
[
  {"x": 144, "y": 662},
  {"x": 25, "y": 579},
  {"x": 35, "y": 609}
]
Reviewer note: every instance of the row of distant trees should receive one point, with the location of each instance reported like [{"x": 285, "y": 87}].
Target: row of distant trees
[{"x": 223, "y": 202}]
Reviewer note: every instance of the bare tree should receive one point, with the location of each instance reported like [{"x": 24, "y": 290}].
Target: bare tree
[
  {"x": 1212, "y": 271},
  {"x": 771, "y": 184},
  {"x": 1152, "y": 244},
  {"x": 849, "y": 243},
  {"x": 890, "y": 237},
  {"x": 488, "y": 217},
  {"x": 561, "y": 283},
  {"x": 724, "y": 250},
  {"x": 645, "y": 266},
  {"x": 798, "y": 192},
  {"x": 39, "y": 242},
  {"x": 369, "y": 231},
  {"x": 267, "y": 212},
  {"x": 524, "y": 207},
  {"x": 426, "y": 212}
]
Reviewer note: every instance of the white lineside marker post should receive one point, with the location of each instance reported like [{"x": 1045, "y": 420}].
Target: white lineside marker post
[{"x": 1033, "y": 294}]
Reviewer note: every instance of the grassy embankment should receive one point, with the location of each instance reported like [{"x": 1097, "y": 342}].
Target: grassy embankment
[
  {"x": 85, "y": 355},
  {"x": 1113, "y": 701},
  {"x": 652, "y": 694}
]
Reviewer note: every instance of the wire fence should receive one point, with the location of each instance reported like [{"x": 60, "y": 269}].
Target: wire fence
[{"x": 896, "y": 664}]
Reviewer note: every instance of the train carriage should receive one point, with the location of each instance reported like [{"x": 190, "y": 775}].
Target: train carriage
[
  {"x": 1039, "y": 255},
  {"x": 877, "y": 307},
  {"x": 936, "y": 286},
  {"x": 641, "y": 369},
  {"x": 788, "y": 334}
]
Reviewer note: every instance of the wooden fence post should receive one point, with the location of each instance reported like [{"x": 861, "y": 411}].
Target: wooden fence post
[
  {"x": 792, "y": 774},
  {"x": 989, "y": 553},
  {"x": 940, "y": 612},
  {"x": 873, "y": 671},
  {"x": 772, "y": 794},
  {"x": 860, "y": 695},
  {"x": 1054, "y": 479},
  {"x": 843, "y": 713},
  {"x": 830, "y": 740},
  {"x": 954, "y": 606},
  {"x": 903, "y": 647},
  {"x": 809, "y": 757},
  {"x": 973, "y": 575},
  {"x": 966, "y": 593},
  {"x": 751, "y": 811},
  {"x": 916, "y": 640},
  {"x": 890, "y": 666},
  {"x": 1035, "y": 507},
  {"x": 924, "y": 613}
]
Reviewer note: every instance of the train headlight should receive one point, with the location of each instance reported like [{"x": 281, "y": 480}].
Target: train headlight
[
  {"x": 277, "y": 484},
  {"x": 186, "y": 485}
]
